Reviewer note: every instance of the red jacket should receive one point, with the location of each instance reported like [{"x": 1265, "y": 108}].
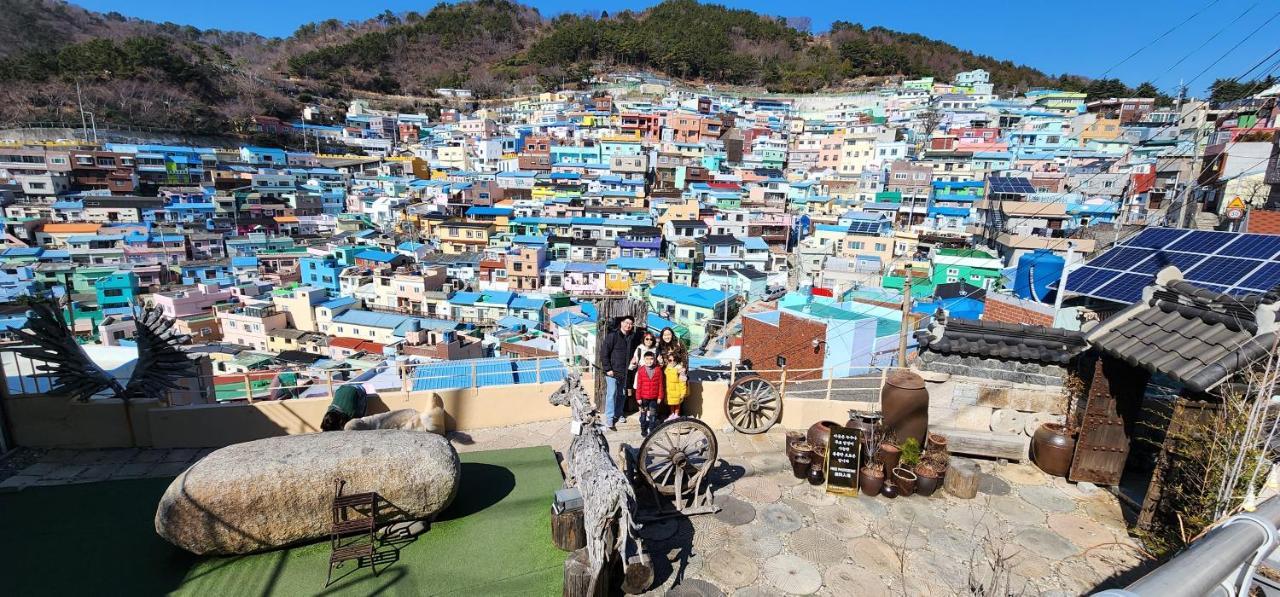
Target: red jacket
[{"x": 650, "y": 386}]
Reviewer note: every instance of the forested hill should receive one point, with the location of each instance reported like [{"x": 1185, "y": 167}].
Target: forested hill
[{"x": 179, "y": 77}]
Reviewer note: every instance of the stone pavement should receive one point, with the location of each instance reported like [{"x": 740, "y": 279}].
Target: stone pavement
[
  {"x": 63, "y": 467},
  {"x": 1031, "y": 533}
]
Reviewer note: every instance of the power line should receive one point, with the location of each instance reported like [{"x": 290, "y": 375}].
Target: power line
[{"x": 1158, "y": 38}]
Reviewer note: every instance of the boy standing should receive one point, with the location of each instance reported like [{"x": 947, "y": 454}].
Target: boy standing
[{"x": 650, "y": 388}]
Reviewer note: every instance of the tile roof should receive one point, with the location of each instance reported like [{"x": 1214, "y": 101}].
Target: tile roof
[
  {"x": 1195, "y": 336},
  {"x": 998, "y": 340}
]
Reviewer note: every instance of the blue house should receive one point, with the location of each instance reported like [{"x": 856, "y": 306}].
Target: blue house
[
  {"x": 264, "y": 156},
  {"x": 116, "y": 291},
  {"x": 321, "y": 272}
]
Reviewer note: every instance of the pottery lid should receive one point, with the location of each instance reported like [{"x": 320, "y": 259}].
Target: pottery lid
[{"x": 905, "y": 379}]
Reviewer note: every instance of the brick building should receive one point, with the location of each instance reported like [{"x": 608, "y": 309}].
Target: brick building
[{"x": 799, "y": 340}]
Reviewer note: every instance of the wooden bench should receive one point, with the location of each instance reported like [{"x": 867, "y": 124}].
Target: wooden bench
[{"x": 991, "y": 444}]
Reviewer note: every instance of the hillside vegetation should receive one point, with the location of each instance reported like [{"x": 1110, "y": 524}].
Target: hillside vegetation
[{"x": 132, "y": 71}]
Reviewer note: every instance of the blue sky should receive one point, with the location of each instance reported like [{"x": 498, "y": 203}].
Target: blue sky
[{"x": 1086, "y": 37}]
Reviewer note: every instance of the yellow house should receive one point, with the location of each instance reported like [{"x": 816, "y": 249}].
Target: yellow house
[
  {"x": 463, "y": 236},
  {"x": 678, "y": 209},
  {"x": 626, "y": 272},
  {"x": 1102, "y": 129}
]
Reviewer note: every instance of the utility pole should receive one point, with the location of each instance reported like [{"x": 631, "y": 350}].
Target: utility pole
[
  {"x": 84, "y": 125},
  {"x": 906, "y": 318}
]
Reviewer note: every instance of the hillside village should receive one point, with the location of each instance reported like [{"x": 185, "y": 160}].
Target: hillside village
[{"x": 995, "y": 246}]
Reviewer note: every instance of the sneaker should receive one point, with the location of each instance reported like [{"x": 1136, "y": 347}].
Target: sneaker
[
  {"x": 673, "y": 416},
  {"x": 613, "y": 427},
  {"x": 622, "y": 419}
]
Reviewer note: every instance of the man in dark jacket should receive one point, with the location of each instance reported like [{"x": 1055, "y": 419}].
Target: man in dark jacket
[{"x": 618, "y": 346}]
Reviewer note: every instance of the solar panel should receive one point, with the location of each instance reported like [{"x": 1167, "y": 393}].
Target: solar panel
[
  {"x": 1225, "y": 262},
  {"x": 1126, "y": 288},
  {"x": 1257, "y": 246},
  {"x": 1088, "y": 278},
  {"x": 1202, "y": 241},
  {"x": 1159, "y": 259},
  {"x": 1227, "y": 271},
  {"x": 1264, "y": 278}
]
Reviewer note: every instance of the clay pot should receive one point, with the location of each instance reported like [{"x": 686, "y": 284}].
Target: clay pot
[
  {"x": 816, "y": 476},
  {"x": 1052, "y": 449},
  {"x": 793, "y": 437},
  {"x": 870, "y": 481},
  {"x": 905, "y": 481},
  {"x": 820, "y": 435},
  {"x": 905, "y": 403},
  {"x": 936, "y": 441},
  {"x": 927, "y": 480},
  {"x": 889, "y": 454},
  {"x": 800, "y": 464}
]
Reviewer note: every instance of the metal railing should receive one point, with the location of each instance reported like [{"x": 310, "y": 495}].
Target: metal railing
[{"x": 1222, "y": 563}]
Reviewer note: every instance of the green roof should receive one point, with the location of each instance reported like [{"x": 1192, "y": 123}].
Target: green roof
[{"x": 975, "y": 253}]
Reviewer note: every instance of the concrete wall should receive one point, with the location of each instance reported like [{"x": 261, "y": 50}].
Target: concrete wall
[{"x": 46, "y": 422}]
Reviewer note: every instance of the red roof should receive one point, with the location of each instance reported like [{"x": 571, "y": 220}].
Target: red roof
[
  {"x": 1263, "y": 222},
  {"x": 356, "y": 344},
  {"x": 728, "y": 186}
]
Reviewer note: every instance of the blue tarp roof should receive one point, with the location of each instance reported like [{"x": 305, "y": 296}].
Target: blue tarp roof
[{"x": 486, "y": 372}]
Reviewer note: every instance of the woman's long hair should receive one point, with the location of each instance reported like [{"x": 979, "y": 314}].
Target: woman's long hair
[{"x": 675, "y": 346}]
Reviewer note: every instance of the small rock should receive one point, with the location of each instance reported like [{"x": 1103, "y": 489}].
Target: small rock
[
  {"x": 411, "y": 528},
  {"x": 1086, "y": 488}
]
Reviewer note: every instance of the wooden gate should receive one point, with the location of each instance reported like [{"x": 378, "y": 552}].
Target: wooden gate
[{"x": 1103, "y": 445}]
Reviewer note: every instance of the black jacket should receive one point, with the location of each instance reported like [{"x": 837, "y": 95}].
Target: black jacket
[{"x": 617, "y": 352}]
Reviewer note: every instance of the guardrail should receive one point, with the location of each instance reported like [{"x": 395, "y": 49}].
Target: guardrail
[{"x": 1223, "y": 562}]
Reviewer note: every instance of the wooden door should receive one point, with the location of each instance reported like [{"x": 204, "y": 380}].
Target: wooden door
[
  {"x": 1189, "y": 417},
  {"x": 1103, "y": 444}
]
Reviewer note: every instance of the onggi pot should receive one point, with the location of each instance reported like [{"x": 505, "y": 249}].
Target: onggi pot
[
  {"x": 1052, "y": 449},
  {"x": 905, "y": 481},
  {"x": 905, "y": 403},
  {"x": 870, "y": 480},
  {"x": 820, "y": 435}
]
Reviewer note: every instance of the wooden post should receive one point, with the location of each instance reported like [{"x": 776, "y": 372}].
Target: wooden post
[
  {"x": 474, "y": 373},
  {"x": 568, "y": 529},
  {"x": 578, "y": 576},
  {"x": 248, "y": 389},
  {"x": 537, "y": 371},
  {"x": 782, "y": 383},
  {"x": 733, "y": 372},
  {"x": 962, "y": 478},
  {"x": 329, "y": 378},
  {"x": 406, "y": 378},
  {"x": 906, "y": 316}
]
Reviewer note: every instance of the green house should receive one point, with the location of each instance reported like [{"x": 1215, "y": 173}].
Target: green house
[{"x": 973, "y": 266}]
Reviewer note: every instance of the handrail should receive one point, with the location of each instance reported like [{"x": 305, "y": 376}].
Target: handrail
[{"x": 1222, "y": 562}]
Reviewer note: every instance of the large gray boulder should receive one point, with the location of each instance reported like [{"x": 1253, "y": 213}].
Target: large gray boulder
[{"x": 277, "y": 491}]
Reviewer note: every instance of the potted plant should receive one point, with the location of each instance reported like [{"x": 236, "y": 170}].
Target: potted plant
[
  {"x": 871, "y": 478},
  {"x": 935, "y": 441},
  {"x": 1053, "y": 445},
  {"x": 932, "y": 467},
  {"x": 890, "y": 454},
  {"x": 905, "y": 481},
  {"x": 904, "y": 477}
]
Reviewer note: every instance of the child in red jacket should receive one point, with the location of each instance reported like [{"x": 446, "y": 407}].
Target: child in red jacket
[{"x": 650, "y": 387}]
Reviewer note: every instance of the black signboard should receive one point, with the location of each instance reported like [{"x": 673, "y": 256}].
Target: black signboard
[{"x": 844, "y": 453}]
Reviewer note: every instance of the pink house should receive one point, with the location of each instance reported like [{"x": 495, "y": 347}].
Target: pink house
[{"x": 191, "y": 301}]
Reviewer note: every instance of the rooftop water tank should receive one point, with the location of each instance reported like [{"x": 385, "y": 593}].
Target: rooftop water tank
[{"x": 1036, "y": 271}]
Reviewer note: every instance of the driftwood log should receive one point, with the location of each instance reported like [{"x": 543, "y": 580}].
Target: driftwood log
[
  {"x": 580, "y": 576},
  {"x": 962, "y": 478},
  {"x": 609, "y": 501},
  {"x": 607, "y": 313},
  {"x": 568, "y": 530}
]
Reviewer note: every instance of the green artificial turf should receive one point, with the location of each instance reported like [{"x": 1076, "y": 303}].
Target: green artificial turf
[{"x": 99, "y": 539}]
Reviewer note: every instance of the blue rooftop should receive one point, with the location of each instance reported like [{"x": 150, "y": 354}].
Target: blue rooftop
[{"x": 697, "y": 297}]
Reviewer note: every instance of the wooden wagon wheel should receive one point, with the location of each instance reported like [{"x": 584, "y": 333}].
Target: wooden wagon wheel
[
  {"x": 672, "y": 457},
  {"x": 752, "y": 405}
]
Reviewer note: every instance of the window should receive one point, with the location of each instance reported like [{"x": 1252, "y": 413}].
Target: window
[
  {"x": 951, "y": 271},
  {"x": 113, "y": 292}
]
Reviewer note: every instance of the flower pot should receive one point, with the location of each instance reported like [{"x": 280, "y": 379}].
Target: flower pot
[
  {"x": 889, "y": 455},
  {"x": 1052, "y": 449},
  {"x": 905, "y": 403},
  {"x": 800, "y": 464},
  {"x": 870, "y": 481},
  {"x": 927, "y": 480},
  {"x": 936, "y": 441},
  {"x": 816, "y": 476},
  {"x": 820, "y": 434},
  {"x": 905, "y": 481}
]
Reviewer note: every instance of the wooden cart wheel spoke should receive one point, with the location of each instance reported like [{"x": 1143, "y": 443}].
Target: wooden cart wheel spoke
[
  {"x": 676, "y": 453},
  {"x": 752, "y": 405}
]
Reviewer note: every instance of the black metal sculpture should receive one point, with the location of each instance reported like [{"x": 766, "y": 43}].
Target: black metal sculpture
[{"x": 160, "y": 365}]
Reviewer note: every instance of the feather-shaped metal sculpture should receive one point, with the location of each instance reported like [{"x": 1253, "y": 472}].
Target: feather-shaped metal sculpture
[
  {"x": 50, "y": 343},
  {"x": 160, "y": 363}
]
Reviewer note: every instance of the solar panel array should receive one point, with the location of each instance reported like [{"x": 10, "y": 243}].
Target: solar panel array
[
  {"x": 1010, "y": 184},
  {"x": 867, "y": 227},
  {"x": 1227, "y": 262}
]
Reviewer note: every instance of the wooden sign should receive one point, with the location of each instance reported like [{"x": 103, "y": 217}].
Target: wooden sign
[{"x": 844, "y": 458}]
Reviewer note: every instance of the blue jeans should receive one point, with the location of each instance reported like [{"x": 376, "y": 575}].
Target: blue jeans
[{"x": 612, "y": 400}]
